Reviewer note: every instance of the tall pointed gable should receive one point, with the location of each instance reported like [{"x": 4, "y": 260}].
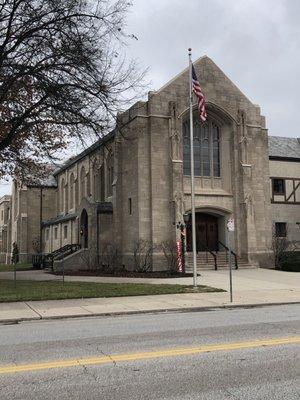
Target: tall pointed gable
[{"x": 216, "y": 86}]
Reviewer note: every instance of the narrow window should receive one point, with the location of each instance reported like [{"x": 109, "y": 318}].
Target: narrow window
[
  {"x": 110, "y": 173},
  {"x": 47, "y": 234},
  {"x": 216, "y": 150},
  {"x": 55, "y": 233},
  {"x": 102, "y": 184},
  {"x": 278, "y": 186},
  {"x": 62, "y": 196},
  {"x": 65, "y": 231},
  {"x": 2, "y": 215},
  {"x": 82, "y": 182},
  {"x": 130, "y": 206},
  {"x": 72, "y": 180},
  {"x": 280, "y": 229},
  {"x": 205, "y": 152}
]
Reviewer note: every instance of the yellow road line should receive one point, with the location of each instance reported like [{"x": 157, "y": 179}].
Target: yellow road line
[{"x": 147, "y": 355}]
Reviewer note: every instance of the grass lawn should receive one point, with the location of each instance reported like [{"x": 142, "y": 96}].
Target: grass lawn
[
  {"x": 33, "y": 290},
  {"x": 21, "y": 266}
]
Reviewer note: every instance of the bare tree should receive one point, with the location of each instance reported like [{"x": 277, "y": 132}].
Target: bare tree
[
  {"x": 63, "y": 74},
  {"x": 142, "y": 255},
  {"x": 110, "y": 258},
  {"x": 170, "y": 253},
  {"x": 282, "y": 248}
]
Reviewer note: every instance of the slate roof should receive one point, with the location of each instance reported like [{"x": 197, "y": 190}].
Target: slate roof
[
  {"x": 284, "y": 147},
  {"x": 104, "y": 207},
  {"x": 85, "y": 152},
  {"x": 46, "y": 181},
  {"x": 58, "y": 219},
  {"x": 49, "y": 181}
]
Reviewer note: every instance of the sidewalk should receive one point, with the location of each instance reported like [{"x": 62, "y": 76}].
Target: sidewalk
[
  {"x": 22, "y": 311},
  {"x": 251, "y": 287}
]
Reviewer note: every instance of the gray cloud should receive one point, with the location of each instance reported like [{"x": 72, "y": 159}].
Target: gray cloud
[{"x": 255, "y": 42}]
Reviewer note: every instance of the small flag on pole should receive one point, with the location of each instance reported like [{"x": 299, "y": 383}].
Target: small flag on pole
[{"x": 200, "y": 96}]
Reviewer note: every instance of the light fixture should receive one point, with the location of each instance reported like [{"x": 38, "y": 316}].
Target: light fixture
[{"x": 186, "y": 217}]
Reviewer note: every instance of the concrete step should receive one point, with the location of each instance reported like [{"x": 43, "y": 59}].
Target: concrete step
[
  {"x": 206, "y": 261},
  {"x": 189, "y": 269}
]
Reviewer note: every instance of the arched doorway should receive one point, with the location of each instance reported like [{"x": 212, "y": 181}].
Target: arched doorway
[
  {"x": 84, "y": 229},
  {"x": 206, "y": 232}
]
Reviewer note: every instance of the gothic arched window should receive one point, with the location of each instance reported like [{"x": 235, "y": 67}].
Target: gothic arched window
[
  {"x": 206, "y": 149},
  {"x": 110, "y": 173},
  {"x": 82, "y": 183},
  {"x": 62, "y": 196},
  {"x": 72, "y": 191}
]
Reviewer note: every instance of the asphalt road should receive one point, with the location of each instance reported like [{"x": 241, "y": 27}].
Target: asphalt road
[{"x": 220, "y": 354}]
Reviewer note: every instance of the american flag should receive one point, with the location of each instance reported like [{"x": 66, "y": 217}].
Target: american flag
[{"x": 200, "y": 96}]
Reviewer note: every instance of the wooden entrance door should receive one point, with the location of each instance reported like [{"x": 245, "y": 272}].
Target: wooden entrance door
[{"x": 206, "y": 233}]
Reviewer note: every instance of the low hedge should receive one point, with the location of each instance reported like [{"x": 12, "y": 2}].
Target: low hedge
[{"x": 292, "y": 263}]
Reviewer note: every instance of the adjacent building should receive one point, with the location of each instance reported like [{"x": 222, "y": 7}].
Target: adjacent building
[{"x": 284, "y": 154}]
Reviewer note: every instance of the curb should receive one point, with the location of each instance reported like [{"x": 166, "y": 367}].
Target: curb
[{"x": 15, "y": 321}]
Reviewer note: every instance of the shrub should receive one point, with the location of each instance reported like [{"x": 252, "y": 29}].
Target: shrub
[
  {"x": 142, "y": 255},
  {"x": 169, "y": 249}
]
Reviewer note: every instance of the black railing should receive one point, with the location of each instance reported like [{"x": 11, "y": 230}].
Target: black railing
[
  {"x": 43, "y": 260},
  {"x": 65, "y": 251},
  {"x": 232, "y": 252},
  {"x": 207, "y": 250}
]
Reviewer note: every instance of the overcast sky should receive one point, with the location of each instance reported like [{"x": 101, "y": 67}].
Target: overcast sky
[{"x": 255, "y": 42}]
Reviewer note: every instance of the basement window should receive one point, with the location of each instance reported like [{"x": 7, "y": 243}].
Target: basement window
[{"x": 280, "y": 229}]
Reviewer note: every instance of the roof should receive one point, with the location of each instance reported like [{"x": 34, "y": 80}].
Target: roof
[
  {"x": 45, "y": 180},
  {"x": 6, "y": 197},
  {"x": 84, "y": 153},
  {"x": 48, "y": 181},
  {"x": 59, "y": 219},
  {"x": 284, "y": 147}
]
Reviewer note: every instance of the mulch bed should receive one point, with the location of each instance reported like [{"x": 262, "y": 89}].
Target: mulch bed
[{"x": 127, "y": 274}]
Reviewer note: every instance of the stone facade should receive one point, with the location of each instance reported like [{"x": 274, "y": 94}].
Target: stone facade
[
  {"x": 5, "y": 228},
  {"x": 29, "y": 206},
  {"x": 134, "y": 184}
]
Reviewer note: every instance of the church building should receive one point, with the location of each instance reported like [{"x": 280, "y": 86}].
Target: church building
[{"x": 134, "y": 184}]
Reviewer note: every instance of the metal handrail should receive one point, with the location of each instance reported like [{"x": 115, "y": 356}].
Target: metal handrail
[
  {"x": 211, "y": 252},
  {"x": 65, "y": 251},
  {"x": 232, "y": 252},
  {"x": 42, "y": 259}
]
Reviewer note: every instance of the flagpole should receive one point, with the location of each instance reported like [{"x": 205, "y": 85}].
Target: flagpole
[{"x": 192, "y": 173}]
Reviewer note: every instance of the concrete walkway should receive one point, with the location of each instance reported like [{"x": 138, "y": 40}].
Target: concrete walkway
[
  {"x": 251, "y": 287},
  {"x": 243, "y": 279}
]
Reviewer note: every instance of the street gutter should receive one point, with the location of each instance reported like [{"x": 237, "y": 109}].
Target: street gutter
[{"x": 14, "y": 321}]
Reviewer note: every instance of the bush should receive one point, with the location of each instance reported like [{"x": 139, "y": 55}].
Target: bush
[
  {"x": 170, "y": 253},
  {"x": 142, "y": 255},
  {"x": 110, "y": 259},
  {"x": 292, "y": 262},
  {"x": 292, "y": 266}
]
